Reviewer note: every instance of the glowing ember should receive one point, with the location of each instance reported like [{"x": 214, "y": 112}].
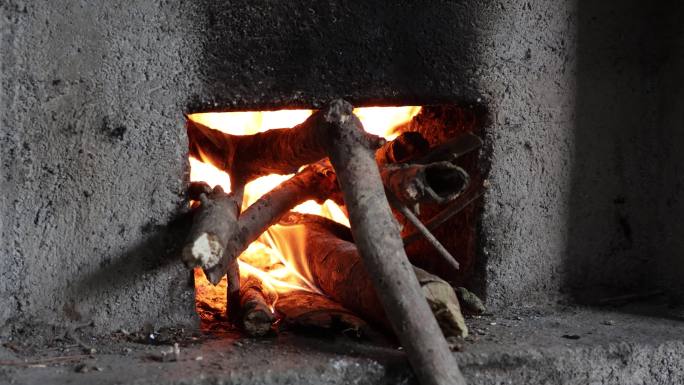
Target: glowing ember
[{"x": 277, "y": 257}]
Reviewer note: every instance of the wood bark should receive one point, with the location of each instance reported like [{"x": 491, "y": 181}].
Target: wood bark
[{"x": 380, "y": 246}]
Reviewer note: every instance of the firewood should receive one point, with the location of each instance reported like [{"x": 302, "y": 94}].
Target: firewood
[
  {"x": 213, "y": 224},
  {"x": 381, "y": 249},
  {"x": 412, "y": 184},
  {"x": 471, "y": 303},
  {"x": 312, "y": 183},
  {"x": 422, "y": 230},
  {"x": 449, "y": 211},
  {"x": 233, "y": 289},
  {"x": 316, "y": 181},
  {"x": 406, "y": 146},
  {"x": 276, "y": 151},
  {"x": 255, "y": 310},
  {"x": 302, "y": 310},
  {"x": 337, "y": 269}
]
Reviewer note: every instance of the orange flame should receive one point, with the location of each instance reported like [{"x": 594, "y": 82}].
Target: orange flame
[{"x": 278, "y": 257}]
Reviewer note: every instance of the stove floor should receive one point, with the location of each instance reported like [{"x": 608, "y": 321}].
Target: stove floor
[{"x": 629, "y": 345}]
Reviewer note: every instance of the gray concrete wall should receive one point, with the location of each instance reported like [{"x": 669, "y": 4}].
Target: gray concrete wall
[
  {"x": 93, "y": 161},
  {"x": 527, "y": 67},
  {"x": 93, "y": 146},
  {"x": 670, "y": 127},
  {"x": 625, "y": 202}
]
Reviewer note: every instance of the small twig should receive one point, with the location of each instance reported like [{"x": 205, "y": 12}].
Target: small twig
[
  {"x": 420, "y": 228},
  {"x": 452, "y": 209}
]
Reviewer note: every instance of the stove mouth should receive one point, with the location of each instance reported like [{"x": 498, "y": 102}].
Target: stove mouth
[{"x": 303, "y": 270}]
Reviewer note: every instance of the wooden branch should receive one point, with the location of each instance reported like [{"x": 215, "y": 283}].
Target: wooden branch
[
  {"x": 312, "y": 183},
  {"x": 277, "y": 151},
  {"x": 234, "y": 306},
  {"x": 255, "y": 309},
  {"x": 413, "y": 184},
  {"x": 317, "y": 181},
  {"x": 212, "y": 226},
  {"x": 432, "y": 240},
  {"x": 452, "y": 209},
  {"x": 406, "y": 146},
  {"x": 380, "y": 246},
  {"x": 336, "y": 267}
]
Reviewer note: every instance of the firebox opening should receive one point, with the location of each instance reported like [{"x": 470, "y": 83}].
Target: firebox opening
[{"x": 277, "y": 264}]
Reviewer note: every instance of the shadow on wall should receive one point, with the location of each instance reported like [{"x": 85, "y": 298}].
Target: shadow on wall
[
  {"x": 625, "y": 225},
  {"x": 157, "y": 253}
]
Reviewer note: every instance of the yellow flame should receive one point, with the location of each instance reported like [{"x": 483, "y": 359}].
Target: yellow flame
[{"x": 278, "y": 256}]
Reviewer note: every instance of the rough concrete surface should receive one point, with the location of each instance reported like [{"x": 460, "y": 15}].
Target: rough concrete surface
[
  {"x": 93, "y": 161},
  {"x": 93, "y": 146},
  {"x": 521, "y": 346}
]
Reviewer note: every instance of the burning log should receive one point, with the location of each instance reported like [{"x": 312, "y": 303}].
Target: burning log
[
  {"x": 305, "y": 310},
  {"x": 277, "y": 151},
  {"x": 317, "y": 181},
  {"x": 380, "y": 246},
  {"x": 337, "y": 269},
  {"x": 312, "y": 183},
  {"x": 255, "y": 313}
]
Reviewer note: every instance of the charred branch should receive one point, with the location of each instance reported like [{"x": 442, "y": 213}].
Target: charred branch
[
  {"x": 233, "y": 290},
  {"x": 213, "y": 223},
  {"x": 255, "y": 313},
  {"x": 413, "y": 184},
  {"x": 380, "y": 246},
  {"x": 406, "y": 146}
]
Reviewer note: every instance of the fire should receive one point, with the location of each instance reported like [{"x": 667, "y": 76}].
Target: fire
[{"x": 277, "y": 257}]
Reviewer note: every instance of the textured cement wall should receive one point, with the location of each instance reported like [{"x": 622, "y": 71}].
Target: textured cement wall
[
  {"x": 93, "y": 161},
  {"x": 93, "y": 146},
  {"x": 516, "y": 58},
  {"x": 583, "y": 126},
  {"x": 626, "y": 206}
]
